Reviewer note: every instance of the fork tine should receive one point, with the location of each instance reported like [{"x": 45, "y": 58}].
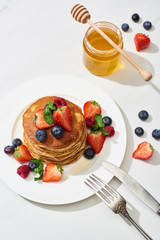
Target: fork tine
[
  {"x": 98, "y": 192},
  {"x": 105, "y": 185}
]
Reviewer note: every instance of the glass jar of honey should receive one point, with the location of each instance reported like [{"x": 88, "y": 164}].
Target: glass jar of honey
[{"x": 99, "y": 57}]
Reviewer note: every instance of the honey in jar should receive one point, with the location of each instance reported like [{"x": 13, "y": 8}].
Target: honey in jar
[{"x": 99, "y": 57}]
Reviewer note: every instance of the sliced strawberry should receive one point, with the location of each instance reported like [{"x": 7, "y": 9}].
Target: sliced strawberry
[
  {"x": 143, "y": 151},
  {"x": 39, "y": 120},
  {"x": 63, "y": 117},
  {"x": 96, "y": 141},
  {"x": 90, "y": 108},
  {"x": 141, "y": 41},
  {"x": 53, "y": 173},
  {"x": 21, "y": 154}
]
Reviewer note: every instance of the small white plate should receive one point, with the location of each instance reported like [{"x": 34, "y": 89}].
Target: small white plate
[{"x": 71, "y": 188}]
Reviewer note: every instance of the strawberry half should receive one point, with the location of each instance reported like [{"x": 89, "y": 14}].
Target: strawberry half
[
  {"x": 141, "y": 41},
  {"x": 90, "y": 108},
  {"x": 53, "y": 173},
  {"x": 63, "y": 117},
  {"x": 143, "y": 151},
  {"x": 96, "y": 141},
  {"x": 21, "y": 154},
  {"x": 39, "y": 121}
]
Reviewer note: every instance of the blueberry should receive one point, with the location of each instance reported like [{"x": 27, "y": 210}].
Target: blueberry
[
  {"x": 57, "y": 131},
  {"x": 156, "y": 134},
  {"x": 41, "y": 135},
  {"x": 89, "y": 153},
  {"x": 143, "y": 115},
  {"x": 147, "y": 25},
  {"x": 16, "y": 142},
  {"x": 139, "y": 131},
  {"x": 107, "y": 121},
  {"x": 135, "y": 17},
  {"x": 32, "y": 165},
  {"x": 9, "y": 149},
  {"x": 125, "y": 27}
]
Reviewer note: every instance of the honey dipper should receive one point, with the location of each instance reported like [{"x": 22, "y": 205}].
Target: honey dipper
[{"x": 81, "y": 14}]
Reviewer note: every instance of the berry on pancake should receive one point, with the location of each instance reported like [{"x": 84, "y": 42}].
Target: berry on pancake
[
  {"x": 60, "y": 102},
  {"x": 39, "y": 121},
  {"x": 63, "y": 117}
]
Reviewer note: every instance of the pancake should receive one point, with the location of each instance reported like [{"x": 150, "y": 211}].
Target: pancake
[{"x": 64, "y": 150}]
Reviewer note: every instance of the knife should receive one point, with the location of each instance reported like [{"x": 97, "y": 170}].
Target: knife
[{"x": 134, "y": 186}]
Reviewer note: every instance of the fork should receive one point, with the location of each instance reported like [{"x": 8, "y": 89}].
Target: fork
[{"x": 113, "y": 200}]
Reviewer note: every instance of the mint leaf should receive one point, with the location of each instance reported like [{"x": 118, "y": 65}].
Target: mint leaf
[
  {"x": 51, "y": 106},
  {"x": 98, "y": 119},
  {"x": 39, "y": 168},
  {"x": 103, "y": 130},
  {"x": 48, "y": 117},
  {"x": 95, "y": 127},
  {"x": 34, "y": 119}
]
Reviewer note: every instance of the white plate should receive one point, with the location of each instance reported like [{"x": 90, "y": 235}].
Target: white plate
[{"x": 71, "y": 188}]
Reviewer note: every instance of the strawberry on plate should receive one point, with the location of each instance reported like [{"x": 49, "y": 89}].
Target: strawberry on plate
[
  {"x": 39, "y": 121},
  {"x": 63, "y": 117},
  {"x": 53, "y": 173},
  {"x": 90, "y": 108},
  {"x": 143, "y": 151},
  {"x": 96, "y": 140},
  {"x": 21, "y": 154},
  {"x": 141, "y": 41}
]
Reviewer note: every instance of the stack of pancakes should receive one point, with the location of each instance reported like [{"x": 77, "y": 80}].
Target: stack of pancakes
[{"x": 64, "y": 150}]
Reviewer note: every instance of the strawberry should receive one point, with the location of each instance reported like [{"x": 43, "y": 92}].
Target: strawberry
[
  {"x": 63, "y": 117},
  {"x": 21, "y": 154},
  {"x": 141, "y": 41},
  {"x": 90, "y": 108},
  {"x": 96, "y": 141},
  {"x": 143, "y": 151},
  {"x": 53, "y": 173},
  {"x": 39, "y": 121}
]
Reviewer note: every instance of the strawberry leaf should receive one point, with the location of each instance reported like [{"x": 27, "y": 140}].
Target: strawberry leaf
[
  {"x": 95, "y": 103},
  {"x": 16, "y": 152},
  {"x": 59, "y": 168}
]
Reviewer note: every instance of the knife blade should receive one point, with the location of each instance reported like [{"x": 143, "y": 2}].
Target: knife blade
[{"x": 134, "y": 186}]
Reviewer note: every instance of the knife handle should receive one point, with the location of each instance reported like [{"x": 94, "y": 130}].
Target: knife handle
[{"x": 158, "y": 211}]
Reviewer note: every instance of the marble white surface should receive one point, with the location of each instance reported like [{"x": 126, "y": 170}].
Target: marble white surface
[{"x": 40, "y": 37}]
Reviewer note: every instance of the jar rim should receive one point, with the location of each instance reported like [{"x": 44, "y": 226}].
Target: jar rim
[{"x": 103, "y": 52}]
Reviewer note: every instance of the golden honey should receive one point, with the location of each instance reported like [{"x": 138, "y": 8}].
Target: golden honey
[{"x": 99, "y": 57}]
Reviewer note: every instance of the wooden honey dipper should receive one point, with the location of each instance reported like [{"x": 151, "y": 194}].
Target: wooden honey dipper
[{"x": 81, "y": 14}]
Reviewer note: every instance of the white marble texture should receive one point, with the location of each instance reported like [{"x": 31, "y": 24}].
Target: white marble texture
[{"x": 40, "y": 37}]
